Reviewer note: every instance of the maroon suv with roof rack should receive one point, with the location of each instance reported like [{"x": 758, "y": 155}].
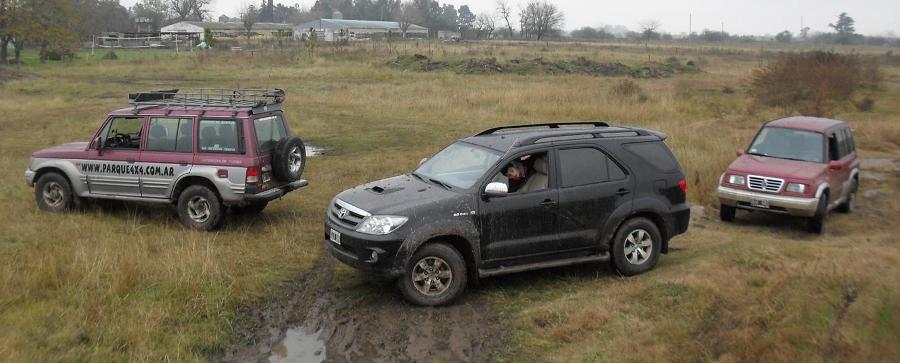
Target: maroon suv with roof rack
[
  {"x": 202, "y": 150},
  {"x": 801, "y": 166}
]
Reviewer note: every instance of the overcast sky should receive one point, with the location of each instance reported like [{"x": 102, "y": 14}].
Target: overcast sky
[{"x": 873, "y": 17}]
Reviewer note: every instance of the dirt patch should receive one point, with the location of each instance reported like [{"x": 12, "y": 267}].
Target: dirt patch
[
  {"x": 7, "y": 74},
  {"x": 834, "y": 344},
  {"x": 580, "y": 65},
  {"x": 367, "y": 319}
]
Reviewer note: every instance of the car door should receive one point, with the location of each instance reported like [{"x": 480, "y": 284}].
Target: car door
[
  {"x": 591, "y": 187},
  {"x": 836, "y": 177},
  {"x": 520, "y": 224},
  {"x": 167, "y": 155},
  {"x": 115, "y": 171}
]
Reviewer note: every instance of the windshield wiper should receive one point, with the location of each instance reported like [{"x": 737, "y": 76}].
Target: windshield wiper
[
  {"x": 438, "y": 182},
  {"x": 757, "y": 154}
]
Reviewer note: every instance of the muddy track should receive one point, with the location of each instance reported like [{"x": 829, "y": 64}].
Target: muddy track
[{"x": 366, "y": 319}]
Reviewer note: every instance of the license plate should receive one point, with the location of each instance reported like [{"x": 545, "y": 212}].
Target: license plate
[
  {"x": 335, "y": 236},
  {"x": 759, "y": 203}
]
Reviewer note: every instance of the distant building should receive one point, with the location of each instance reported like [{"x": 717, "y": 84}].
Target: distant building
[
  {"x": 229, "y": 29},
  {"x": 448, "y": 35},
  {"x": 329, "y": 30}
]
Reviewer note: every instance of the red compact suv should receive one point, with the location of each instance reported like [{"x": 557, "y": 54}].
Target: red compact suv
[
  {"x": 201, "y": 150},
  {"x": 801, "y": 166}
]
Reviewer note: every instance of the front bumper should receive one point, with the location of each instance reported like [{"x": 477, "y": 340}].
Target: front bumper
[
  {"x": 370, "y": 253},
  {"x": 795, "y": 206},
  {"x": 276, "y": 193},
  {"x": 29, "y": 177}
]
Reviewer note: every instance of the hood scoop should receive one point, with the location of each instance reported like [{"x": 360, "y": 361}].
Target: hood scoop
[{"x": 380, "y": 190}]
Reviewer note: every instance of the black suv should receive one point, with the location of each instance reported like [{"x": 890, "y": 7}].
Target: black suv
[{"x": 512, "y": 199}]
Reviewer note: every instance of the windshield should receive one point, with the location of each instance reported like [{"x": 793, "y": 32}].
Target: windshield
[
  {"x": 458, "y": 165},
  {"x": 789, "y": 144}
]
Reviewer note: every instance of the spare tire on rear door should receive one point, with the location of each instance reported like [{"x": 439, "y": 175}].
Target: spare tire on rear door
[{"x": 289, "y": 159}]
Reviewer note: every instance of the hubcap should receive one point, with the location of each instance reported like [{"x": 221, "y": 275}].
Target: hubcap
[
  {"x": 53, "y": 194},
  {"x": 432, "y": 276},
  {"x": 638, "y": 247},
  {"x": 295, "y": 159},
  {"x": 198, "y": 209}
]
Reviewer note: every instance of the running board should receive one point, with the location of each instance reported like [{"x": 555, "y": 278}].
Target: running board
[{"x": 502, "y": 270}]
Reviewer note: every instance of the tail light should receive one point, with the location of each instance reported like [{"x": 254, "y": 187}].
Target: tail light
[
  {"x": 682, "y": 184},
  {"x": 252, "y": 175}
]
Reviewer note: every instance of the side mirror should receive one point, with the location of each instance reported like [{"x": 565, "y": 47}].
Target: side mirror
[
  {"x": 422, "y": 161},
  {"x": 740, "y": 152},
  {"x": 98, "y": 143},
  {"x": 835, "y": 165},
  {"x": 496, "y": 190}
]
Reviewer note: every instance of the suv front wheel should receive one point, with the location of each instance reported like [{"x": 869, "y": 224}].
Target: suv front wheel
[
  {"x": 636, "y": 247},
  {"x": 200, "y": 208},
  {"x": 435, "y": 275},
  {"x": 53, "y": 193}
]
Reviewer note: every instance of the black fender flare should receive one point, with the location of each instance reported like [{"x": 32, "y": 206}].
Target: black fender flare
[
  {"x": 640, "y": 206},
  {"x": 454, "y": 228}
]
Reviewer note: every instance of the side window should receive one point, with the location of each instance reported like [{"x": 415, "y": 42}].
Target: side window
[
  {"x": 170, "y": 134},
  {"x": 527, "y": 173},
  {"x": 269, "y": 131},
  {"x": 833, "y": 150},
  {"x": 842, "y": 143},
  {"x": 582, "y": 166},
  {"x": 219, "y": 136},
  {"x": 655, "y": 153},
  {"x": 850, "y": 140},
  {"x": 122, "y": 133},
  {"x": 615, "y": 171}
]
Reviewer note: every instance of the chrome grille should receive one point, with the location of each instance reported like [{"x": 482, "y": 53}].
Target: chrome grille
[
  {"x": 348, "y": 214},
  {"x": 764, "y": 184}
]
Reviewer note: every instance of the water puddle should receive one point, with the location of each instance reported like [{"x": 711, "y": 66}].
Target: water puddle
[
  {"x": 299, "y": 346},
  {"x": 312, "y": 150}
]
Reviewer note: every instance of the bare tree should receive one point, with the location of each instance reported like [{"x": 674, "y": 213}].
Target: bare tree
[
  {"x": 406, "y": 15},
  {"x": 186, "y": 8},
  {"x": 648, "y": 28},
  {"x": 484, "y": 24},
  {"x": 249, "y": 16},
  {"x": 505, "y": 12},
  {"x": 538, "y": 19}
]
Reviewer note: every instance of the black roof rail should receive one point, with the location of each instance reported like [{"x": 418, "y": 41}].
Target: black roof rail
[
  {"x": 551, "y": 125},
  {"x": 208, "y": 97}
]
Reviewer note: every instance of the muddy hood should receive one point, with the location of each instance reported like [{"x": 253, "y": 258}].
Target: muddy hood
[
  {"x": 62, "y": 151},
  {"x": 399, "y": 195},
  {"x": 780, "y": 168}
]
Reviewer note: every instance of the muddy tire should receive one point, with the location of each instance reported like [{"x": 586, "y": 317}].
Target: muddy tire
[
  {"x": 289, "y": 159},
  {"x": 53, "y": 193},
  {"x": 435, "y": 275},
  {"x": 200, "y": 208},
  {"x": 726, "y": 213},
  {"x": 816, "y": 223},
  {"x": 636, "y": 247},
  {"x": 847, "y": 205},
  {"x": 250, "y": 209}
]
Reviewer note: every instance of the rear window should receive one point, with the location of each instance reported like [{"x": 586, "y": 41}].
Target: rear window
[
  {"x": 219, "y": 136},
  {"x": 269, "y": 131},
  {"x": 655, "y": 153}
]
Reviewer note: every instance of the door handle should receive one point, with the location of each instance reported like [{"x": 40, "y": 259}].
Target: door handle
[
  {"x": 548, "y": 203},
  {"x": 622, "y": 191},
  {"x": 130, "y": 161}
]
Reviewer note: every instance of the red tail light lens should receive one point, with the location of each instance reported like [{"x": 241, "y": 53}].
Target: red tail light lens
[
  {"x": 682, "y": 184},
  {"x": 252, "y": 174}
]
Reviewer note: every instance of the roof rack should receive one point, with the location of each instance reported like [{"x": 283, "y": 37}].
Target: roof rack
[
  {"x": 552, "y": 125},
  {"x": 208, "y": 97}
]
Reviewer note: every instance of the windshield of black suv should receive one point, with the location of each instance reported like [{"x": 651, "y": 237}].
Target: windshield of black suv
[
  {"x": 459, "y": 165},
  {"x": 791, "y": 144},
  {"x": 269, "y": 131}
]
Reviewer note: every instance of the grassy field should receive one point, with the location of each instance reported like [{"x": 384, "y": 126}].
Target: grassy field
[{"x": 127, "y": 282}]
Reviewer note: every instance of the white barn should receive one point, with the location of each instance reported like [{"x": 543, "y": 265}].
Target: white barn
[
  {"x": 329, "y": 30},
  {"x": 195, "y": 28}
]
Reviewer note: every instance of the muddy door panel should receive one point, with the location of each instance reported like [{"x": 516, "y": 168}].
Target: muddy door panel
[
  {"x": 583, "y": 211},
  {"x": 519, "y": 225}
]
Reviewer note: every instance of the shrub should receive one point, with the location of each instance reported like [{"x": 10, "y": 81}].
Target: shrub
[
  {"x": 865, "y": 104},
  {"x": 111, "y": 55},
  {"x": 813, "y": 83}
]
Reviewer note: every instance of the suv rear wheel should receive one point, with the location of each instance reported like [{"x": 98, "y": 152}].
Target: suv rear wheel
[
  {"x": 636, "y": 246},
  {"x": 289, "y": 159},
  {"x": 200, "y": 208},
  {"x": 435, "y": 275},
  {"x": 847, "y": 205},
  {"x": 53, "y": 193}
]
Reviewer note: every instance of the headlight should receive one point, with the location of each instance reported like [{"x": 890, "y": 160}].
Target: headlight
[
  {"x": 796, "y": 187},
  {"x": 736, "y": 179},
  {"x": 380, "y": 224}
]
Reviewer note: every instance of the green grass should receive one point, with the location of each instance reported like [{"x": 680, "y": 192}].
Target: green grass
[{"x": 127, "y": 282}]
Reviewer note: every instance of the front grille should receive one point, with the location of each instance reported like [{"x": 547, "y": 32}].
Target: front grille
[
  {"x": 350, "y": 217},
  {"x": 764, "y": 184}
]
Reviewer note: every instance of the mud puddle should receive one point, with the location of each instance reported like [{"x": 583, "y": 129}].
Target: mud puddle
[{"x": 334, "y": 314}]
